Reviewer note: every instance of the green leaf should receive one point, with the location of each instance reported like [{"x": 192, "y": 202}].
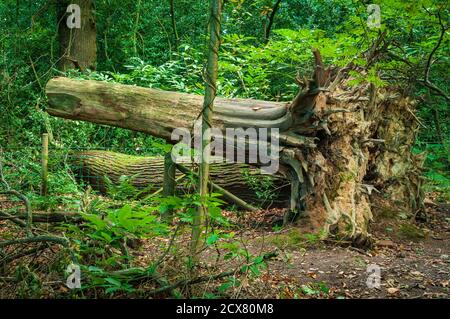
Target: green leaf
[
  {"x": 106, "y": 236},
  {"x": 212, "y": 239},
  {"x": 308, "y": 290},
  {"x": 255, "y": 270},
  {"x": 113, "y": 281}
]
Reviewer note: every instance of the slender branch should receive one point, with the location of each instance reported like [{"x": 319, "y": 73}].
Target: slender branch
[
  {"x": 55, "y": 217},
  {"x": 22, "y": 197},
  {"x": 163, "y": 256},
  {"x": 427, "y": 80},
  {"x": 187, "y": 282},
  {"x": 35, "y": 239},
  {"x": 10, "y": 258},
  {"x": 14, "y": 219},
  {"x": 26, "y": 202}
]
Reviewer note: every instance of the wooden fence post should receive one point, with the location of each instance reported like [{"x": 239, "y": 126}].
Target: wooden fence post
[{"x": 44, "y": 163}]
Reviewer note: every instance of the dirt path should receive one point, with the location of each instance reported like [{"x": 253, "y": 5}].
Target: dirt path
[{"x": 414, "y": 262}]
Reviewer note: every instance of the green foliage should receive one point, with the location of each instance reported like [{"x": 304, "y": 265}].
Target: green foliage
[
  {"x": 99, "y": 278},
  {"x": 124, "y": 189},
  {"x": 126, "y": 222},
  {"x": 136, "y": 46},
  {"x": 29, "y": 284},
  {"x": 263, "y": 187},
  {"x": 101, "y": 244},
  {"x": 315, "y": 289}
]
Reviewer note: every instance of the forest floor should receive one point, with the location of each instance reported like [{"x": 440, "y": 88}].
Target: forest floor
[
  {"x": 414, "y": 262},
  {"x": 413, "y": 259}
]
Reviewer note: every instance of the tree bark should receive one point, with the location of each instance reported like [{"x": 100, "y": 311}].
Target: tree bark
[
  {"x": 92, "y": 167},
  {"x": 55, "y": 217},
  {"x": 154, "y": 111},
  {"x": 77, "y": 46}
]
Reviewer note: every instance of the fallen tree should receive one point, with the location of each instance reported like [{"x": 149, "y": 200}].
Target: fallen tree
[
  {"x": 146, "y": 174},
  {"x": 340, "y": 142}
]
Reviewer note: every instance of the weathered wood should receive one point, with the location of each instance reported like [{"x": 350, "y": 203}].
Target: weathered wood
[
  {"x": 154, "y": 111},
  {"x": 77, "y": 45}
]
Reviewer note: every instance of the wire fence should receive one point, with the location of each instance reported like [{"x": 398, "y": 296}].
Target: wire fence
[
  {"x": 55, "y": 177},
  {"x": 24, "y": 168}
]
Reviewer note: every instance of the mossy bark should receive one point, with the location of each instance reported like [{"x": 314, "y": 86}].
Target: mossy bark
[{"x": 148, "y": 173}]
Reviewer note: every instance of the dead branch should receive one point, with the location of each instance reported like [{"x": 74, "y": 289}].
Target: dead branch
[
  {"x": 36, "y": 239},
  {"x": 188, "y": 282},
  {"x": 227, "y": 195},
  {"x": 427, "y": 82}
]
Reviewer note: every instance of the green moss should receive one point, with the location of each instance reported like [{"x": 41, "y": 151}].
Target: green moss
[
  {"x": 293, "y": 240},
  {"x": 411, "y": 232},
  {"x": 346, "y": 176},
  {"x": 388, "y": 213}
]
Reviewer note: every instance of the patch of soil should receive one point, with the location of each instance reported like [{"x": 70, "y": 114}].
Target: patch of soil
[{"x": 413, "y": 261}]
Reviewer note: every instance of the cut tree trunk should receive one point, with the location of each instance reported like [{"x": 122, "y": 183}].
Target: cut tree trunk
[
  {"x": 340, "y": 143},
  {"x": 77, "y": 46},
  {"x": 147, "y": 173}
]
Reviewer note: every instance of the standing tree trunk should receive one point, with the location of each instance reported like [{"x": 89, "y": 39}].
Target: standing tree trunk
[
  {"x": 206, "y": 117},
  {"x": 174, "y": 23},
  {"x": 271, "y": 19},
  {"x": 77, "y": 46}
]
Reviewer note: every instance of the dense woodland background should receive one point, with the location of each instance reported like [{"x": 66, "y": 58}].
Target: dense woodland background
[
  {"x": 266, "y": 45},
  {"x": 137, "y": 44}
]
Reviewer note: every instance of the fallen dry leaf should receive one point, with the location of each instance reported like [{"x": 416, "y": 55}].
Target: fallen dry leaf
[
  {"x": 385, "y": 243},
  {"x": 393, "y": 291}
]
